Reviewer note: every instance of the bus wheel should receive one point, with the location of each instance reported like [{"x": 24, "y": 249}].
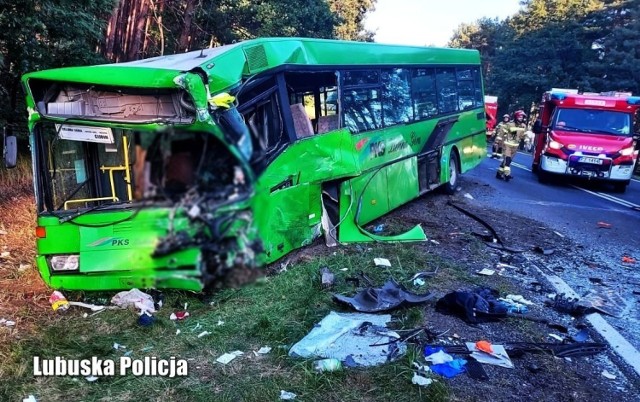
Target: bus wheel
[
  {"x": 534, "y": 167},
  {"x": 454, "y": 174},
  {"x": 543, "y": 177}
]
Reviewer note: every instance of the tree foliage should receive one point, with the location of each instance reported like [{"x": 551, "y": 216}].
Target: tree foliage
[{"x": 591, "y": 45}]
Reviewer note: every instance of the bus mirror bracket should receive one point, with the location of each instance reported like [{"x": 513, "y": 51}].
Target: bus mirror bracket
[{"x": 10, "y": 150}]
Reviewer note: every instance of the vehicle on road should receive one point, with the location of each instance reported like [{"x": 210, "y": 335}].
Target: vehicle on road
[
  {"x": 178, "y": 170},
  {"x": 586, "y": 135}
]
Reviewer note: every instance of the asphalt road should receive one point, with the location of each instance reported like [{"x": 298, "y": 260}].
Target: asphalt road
[{"x": 574, "y": 209}]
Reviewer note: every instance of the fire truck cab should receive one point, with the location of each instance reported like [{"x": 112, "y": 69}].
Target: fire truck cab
[{"x": 586, "y": 135}]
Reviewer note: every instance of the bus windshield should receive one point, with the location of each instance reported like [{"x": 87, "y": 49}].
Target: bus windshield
[
  {"x": 128, "y": 166},
  {"x": 593, "y": 121}
]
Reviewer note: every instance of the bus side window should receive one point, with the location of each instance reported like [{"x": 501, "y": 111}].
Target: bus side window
[
  {"x": 362, "y": 109},
  {"x": 423, "y": 87},
  {"x": 396, "y": 96},
  {"x": 447, "y": 89}
]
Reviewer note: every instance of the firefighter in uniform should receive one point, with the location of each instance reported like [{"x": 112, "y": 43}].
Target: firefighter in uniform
[
  {"x": 511, "y": 140},
  {"x": 500, "y": 133}
]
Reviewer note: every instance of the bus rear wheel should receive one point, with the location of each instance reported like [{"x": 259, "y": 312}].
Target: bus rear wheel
[
  {"x": 454, "y": 174},
  {"x": 620, "y": 187}
]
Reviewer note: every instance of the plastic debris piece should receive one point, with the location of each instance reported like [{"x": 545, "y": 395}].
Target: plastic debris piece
[
  {"x": 382, "y": 262},
  {"x": 339, "y": 335},
  {"x": 135, "y": 298},
  {"x": 484, "y": 346},
  {"x": 178, "y": 332},
  {"x": 117, "y": 346},
  {"x": 439, "y": 357},
  {"x": 264, "y": 350},
  {"x": 91, "y": 378},
  {"x": 450, "y": 369},
  {"x": 91, "y": 307},
  {"x": 469, "y": 196},
  {"x": 344, "y": 269},
  {"x": 498, "y": 357},
  {"x": 390, "y": 296},
  {"x": 421, "y": 381},
  {"x": 287, "y": 396},
  {"x": 58, "y": 301},
  {"x": 327, "y": 365},
  {"x": 544, "y": 250},
  {"x": 604, "y": 225},
  {"x": 203, "y": 333},
  {"x": 30, "y": 398},
  {"x": 628, "y": 260},
  {"x": 179, "y": 315},
  {"x": 559, "y": 234},
  {"x": 476, "y": 371},
  {"x": 7, "y": 323},
  {"x": 378, "y": 229},
  {"x": 146, "y": 320},
  {"x": 227, "y": 357},
  {"x": 419, "y": 282},
  {"x": 220, "y": 322},
  {"x": 519, "y": 299},
  {"x": 608, "y": 375},
  {"x": 435, "y": 242},
  {"x": 486, "y": 271},
  {"x": 327, "y": 278},
  {"x": 556, "y": 337}
]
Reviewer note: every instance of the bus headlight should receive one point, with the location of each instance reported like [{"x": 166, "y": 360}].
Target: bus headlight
[
  {"x": 627, "y": 151},
  {"x": 555, "y": 145},
  {"x": 65, "y": 262}
]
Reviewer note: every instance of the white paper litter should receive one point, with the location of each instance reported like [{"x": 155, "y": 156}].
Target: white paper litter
[
  {"x": 30, "y": 398},
  {"x": 608, "y": 375},
  {"x": 136, "y": 298},
  {"x": 287, "y": 396},
  {"x": 264, "y": 350},
  {"x": 227, "y": 357},
  {"x": 486, "y": 271},
  {"x": 421, "y": 381},
  {"x": 381, "y": 262}
]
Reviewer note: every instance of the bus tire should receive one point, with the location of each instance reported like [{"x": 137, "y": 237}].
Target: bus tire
[
  {"x": 534, "y": 167},
  {"x": 450, "y": 187},
  {"x": 620, "y": 187}
]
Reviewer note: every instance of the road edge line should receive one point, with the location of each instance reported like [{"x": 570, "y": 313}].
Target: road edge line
[{"x": 618, "y": 343}]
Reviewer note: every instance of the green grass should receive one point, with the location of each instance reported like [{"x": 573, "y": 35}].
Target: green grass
[{"x": 277, "y": 311}]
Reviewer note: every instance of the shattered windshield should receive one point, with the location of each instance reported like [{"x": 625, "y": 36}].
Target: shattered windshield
[
  {"x": 89, "y": 167},
  {"x": 593, "y": 121}
]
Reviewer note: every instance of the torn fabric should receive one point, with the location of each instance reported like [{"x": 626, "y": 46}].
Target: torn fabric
[{"x": 390, "y": 296}]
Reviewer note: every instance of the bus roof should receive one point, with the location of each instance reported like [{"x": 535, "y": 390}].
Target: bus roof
[{"x": 226, "y": 65}]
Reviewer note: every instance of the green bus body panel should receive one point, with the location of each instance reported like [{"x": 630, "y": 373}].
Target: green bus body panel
[{"x": 115, "y": 255}]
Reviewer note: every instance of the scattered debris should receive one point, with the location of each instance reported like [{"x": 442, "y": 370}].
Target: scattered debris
[
  {"x": 438, "y": 357},
  {"x": 608, "y": 375},
  {"x": 450, "y": 369},
  {"x": 469, "y": 196},
  {"x": 486, "y": 271},
  {"x": 382, "y": 262},
  {"x": 544, "y": 250},
  {"x": 287, "y": 396},
  {"x": 178, "y": 332},
  {"x": 117, "y": 346},
  {"x": 559, "y": 234},
  {"x": 91, "y": 378},
  {"x": 327, "y": 278},
  {"x": 135, "y": 298},
  {"x": 486, "y": 353},
  {"x": 390, "y": 296},
  {"x": 476, "y": 306},
  {"x": 628, "y": 260},
  {"x": 327, "y": 365},
  {"x": 220, "y": 322},
  {"x": 91, "y": 307},
  {"x": 3, "y": 232},
  {"x": 339, "y": 335},
  {"x": 435, "y": 242},
  {"x": 30, "y": 398},
  {"x": 5, "y": 254},
  {"x": 378, "y": 229},
  {"x": 263, "y": 351},
  {"x": 203, "y": 333},
  {"x": 7, "y": 323},
  {"x": 146, "y": 319},
  {"x": 604, "y": 225},
  {"x": 421, "y": 381},
  {"x": 58, "y": 301},
  {"x": 556, "y": 337},
  {"x": 423, "y": 274},
  {"x": 519, "y": 299},
  {"x": 419, "y": 282},
  {"x": 227, "y": 357},
  {"x": 179, "y": 315}
]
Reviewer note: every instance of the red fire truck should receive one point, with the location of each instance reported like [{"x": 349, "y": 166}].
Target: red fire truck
[{"x": 586, "y": 135}]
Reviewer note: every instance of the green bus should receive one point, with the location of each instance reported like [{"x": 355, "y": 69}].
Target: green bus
[{"x": 177, "y": 171}]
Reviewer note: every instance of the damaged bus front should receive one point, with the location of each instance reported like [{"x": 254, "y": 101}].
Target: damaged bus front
[{"x": 136, "y": 184}]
